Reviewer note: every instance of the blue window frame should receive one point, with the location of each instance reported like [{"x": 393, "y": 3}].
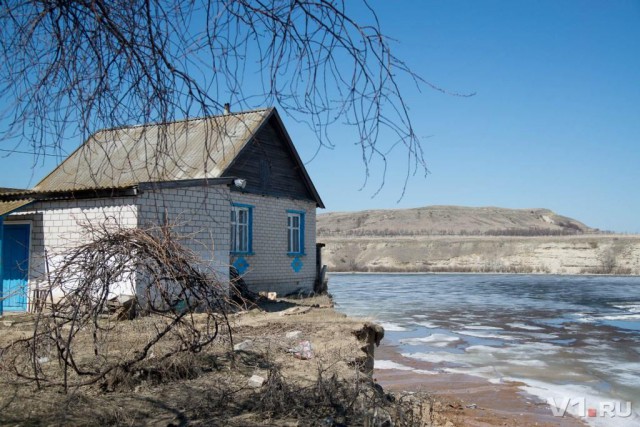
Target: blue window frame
[
  {"x": 295, "y": 232},
  {"x": 241, "y": 229}
]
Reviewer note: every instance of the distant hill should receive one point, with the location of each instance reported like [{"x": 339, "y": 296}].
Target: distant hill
[
  {"x": 449, "y": 220},
  {"x": 475, "y": 240}
]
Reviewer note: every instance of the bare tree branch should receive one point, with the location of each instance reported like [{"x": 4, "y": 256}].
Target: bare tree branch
[
  {"x": 69, "y": 69},
  {"x": 170, "y": 284}
]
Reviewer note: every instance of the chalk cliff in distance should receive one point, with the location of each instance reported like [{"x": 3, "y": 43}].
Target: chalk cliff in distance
[{"x": 465, "y": 239}]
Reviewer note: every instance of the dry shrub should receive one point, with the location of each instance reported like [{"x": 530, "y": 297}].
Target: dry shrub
[
  {"x": 334, "y": 400},
  {"x": 185, "y": 303}
]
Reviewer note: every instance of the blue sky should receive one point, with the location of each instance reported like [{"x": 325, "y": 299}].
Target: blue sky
[{"x": 555, "y": 122}]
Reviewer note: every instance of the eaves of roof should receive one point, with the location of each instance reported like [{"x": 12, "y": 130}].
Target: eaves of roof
[{"x": 10, "y": 206}]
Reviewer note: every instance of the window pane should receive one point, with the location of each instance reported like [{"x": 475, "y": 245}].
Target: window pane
[
  {"x": 241, "y": 238},
  {"x": 233, "y": 238},
  {"x": 296, "y": 240},
  {"x": 294, "y": 233},
  {"x": 240, "y": 219}
]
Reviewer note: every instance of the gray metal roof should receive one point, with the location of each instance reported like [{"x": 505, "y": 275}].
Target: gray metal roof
[{"x": 189, "y": 149}]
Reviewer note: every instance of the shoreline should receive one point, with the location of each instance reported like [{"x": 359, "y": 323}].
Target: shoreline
[
  {"x": 472, "y": 400},
  {"x": 483, "y": 273},
  {"x": 567, "y": 340}
]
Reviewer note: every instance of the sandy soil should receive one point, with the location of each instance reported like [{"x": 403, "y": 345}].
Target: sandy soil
[{"x": 472, "y": 401}]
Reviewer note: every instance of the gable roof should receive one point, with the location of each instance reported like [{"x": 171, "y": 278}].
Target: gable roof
[
  {"x": 196, "y": 149},
  {"x": 188, "y": 149}
]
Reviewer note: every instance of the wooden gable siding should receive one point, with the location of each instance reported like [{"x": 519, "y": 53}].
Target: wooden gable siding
[{"x": 269, "y": 167}]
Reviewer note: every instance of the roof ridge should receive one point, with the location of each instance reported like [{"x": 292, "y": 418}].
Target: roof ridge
[{"x": 187, "y": 119}]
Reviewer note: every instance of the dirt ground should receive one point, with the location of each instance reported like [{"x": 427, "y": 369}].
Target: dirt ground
[{"x": 218, "y": 386}]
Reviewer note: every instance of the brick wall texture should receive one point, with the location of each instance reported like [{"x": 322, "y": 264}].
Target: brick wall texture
[
  {"x": 270, "y": 267},
  {"x": 200, "y": 216},
  {"x": 57, "y": 226}
]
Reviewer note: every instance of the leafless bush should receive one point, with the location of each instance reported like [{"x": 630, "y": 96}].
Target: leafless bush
[
  {"x": 224, "y": 399},
  {"x": 608, "y": 261},
  {"x": 186, "y": 303},
  {"x": 357, "y": 401}
]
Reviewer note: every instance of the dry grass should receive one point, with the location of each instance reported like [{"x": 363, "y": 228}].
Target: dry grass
[{"x": 210, "y": 387}]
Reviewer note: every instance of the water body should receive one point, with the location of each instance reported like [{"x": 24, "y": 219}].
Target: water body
[{"x": 572, "y": 339}]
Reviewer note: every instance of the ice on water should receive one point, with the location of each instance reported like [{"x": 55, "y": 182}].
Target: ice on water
[{"x": 556, "y": 334}]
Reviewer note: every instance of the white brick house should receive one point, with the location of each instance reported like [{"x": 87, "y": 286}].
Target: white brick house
[{"x": 234, "y": 184}]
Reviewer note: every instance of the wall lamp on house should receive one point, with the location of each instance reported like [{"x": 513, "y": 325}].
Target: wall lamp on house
[{"x": 240, "y": 183}]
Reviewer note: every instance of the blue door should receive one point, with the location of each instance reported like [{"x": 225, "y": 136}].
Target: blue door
[{"x": 15, "y": 267}]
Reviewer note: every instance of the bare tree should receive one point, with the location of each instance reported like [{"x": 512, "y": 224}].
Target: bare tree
[{"x": 70, "y": 68}]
